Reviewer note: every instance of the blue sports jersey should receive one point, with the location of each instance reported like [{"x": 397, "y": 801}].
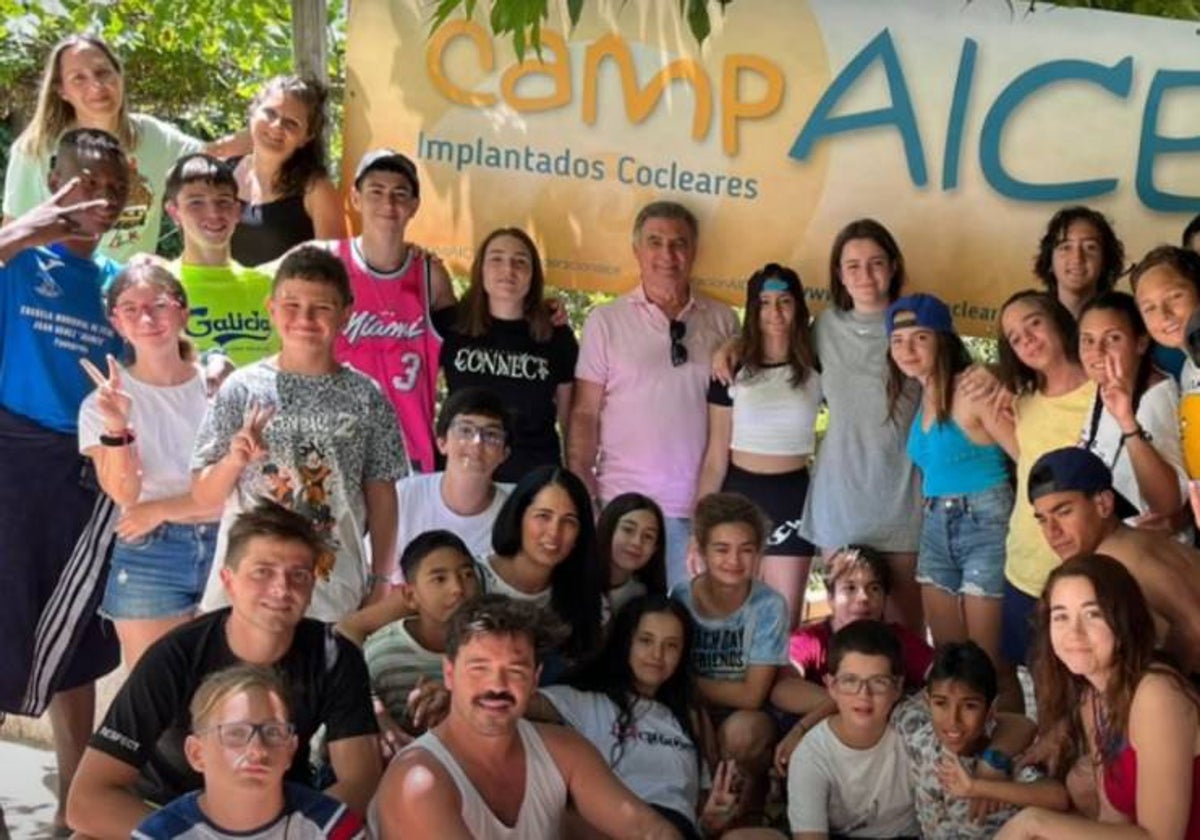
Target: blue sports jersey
[{"x": 51, "y": 316}]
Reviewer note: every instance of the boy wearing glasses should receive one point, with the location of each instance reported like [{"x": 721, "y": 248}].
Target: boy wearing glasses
[
  {"x": 301, "y": 420},
  {"x": 138, "y": 754},
  {"x": 849, "y": 776},
  {"x": 473, "y": 431},
  {"x": 243, "y": 741}
]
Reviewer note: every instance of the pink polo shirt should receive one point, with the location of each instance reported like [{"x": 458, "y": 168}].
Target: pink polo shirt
[{"x": 654, "y": 417}]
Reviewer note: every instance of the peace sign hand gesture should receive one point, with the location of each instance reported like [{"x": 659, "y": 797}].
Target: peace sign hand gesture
[
  {"x": 54, "y": 220},
  {"x": 721, "y": 806},
  {"x": 1117, "y": 392},
  {"x": 248, "y": 443},
  {"x": 113, "y": 402}
]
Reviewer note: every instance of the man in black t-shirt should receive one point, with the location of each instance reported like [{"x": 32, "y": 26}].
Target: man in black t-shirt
[{"x": 137, "y": 753}]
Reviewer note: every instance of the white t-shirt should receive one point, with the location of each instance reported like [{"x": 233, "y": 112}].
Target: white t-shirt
[
  {"x": 835, "y": 789},
  {"x": 657, "y": 760},
  {"x": 491, "y": 582},
  {"x": 617, "y": 597},
  {"x": 1158, "y": 414},
  {"x": 165, "y": 419},
  {"x": 422, "y": 508}
]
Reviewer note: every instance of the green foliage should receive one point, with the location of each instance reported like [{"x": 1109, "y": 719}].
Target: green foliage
[{"x": 194, "y": 62}]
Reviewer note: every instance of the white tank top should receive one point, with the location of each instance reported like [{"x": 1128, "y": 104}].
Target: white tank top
[{"x": 545, "y": 791}]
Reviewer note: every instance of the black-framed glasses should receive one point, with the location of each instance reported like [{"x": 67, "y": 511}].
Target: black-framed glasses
[
  {"x": 679, "y": 354},
  {"x": 272, "y": 733},
  {"x": 468, "y": 432}
]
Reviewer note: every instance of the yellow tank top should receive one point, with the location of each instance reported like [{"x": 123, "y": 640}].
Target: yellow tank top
[{"x": 1043, "y": 424}]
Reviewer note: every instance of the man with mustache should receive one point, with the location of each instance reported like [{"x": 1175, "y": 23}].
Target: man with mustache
[
  {"x": 1080, "y": 513},
  {"x": 487, "y": 773}
]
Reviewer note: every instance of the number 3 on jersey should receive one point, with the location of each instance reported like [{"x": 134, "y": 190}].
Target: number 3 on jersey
[{"x": 406, "y": 380}]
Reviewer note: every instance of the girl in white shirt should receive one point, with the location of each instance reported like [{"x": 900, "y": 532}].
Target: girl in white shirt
[
  {"x": 631, "y": 535},
  {"x": 138, "y": 426}
]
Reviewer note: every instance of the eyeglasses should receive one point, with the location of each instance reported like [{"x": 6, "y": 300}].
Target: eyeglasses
[
  {"x": 156, "y": 310},
  {"x": 854, "y": 684},
  {"x": 469, "y": 433},
  {"x": 272, "y": 733},
  {"x": 679, "y": 354}
]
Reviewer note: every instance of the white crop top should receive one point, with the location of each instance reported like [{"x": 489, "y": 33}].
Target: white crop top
[{"x": 770, "y": 415}]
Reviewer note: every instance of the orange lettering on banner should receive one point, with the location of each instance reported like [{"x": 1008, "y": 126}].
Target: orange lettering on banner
[
  {"x": 437, "y": 73},
  {"x": 639, "y": 103},
  {"x": 733, "y": 108},
  {"x": 559, "y": 71}
]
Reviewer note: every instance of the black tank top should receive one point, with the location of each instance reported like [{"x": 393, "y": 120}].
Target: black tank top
[{"x": 266, "y": 231}]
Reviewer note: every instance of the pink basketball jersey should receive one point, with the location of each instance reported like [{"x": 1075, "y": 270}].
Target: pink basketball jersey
[{"x": 390, "y": 337}]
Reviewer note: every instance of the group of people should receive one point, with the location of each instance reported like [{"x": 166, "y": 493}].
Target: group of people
[{"x": 568, "y": 600}]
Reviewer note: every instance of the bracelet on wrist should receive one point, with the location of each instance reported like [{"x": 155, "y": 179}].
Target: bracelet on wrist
[{"x": 118, "y": 439}]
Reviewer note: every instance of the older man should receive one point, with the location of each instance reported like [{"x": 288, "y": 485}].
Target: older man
[{"x": 639, "y": 417}]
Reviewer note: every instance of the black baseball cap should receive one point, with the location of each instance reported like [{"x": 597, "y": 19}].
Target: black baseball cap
[
  {"x": 389, "y": 160},
  {"x": 1075, "y": 469}
]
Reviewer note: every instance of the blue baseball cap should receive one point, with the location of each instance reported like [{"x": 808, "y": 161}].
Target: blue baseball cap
[
  {"x": 920, "y": 310},
  {"x": 1075, "y": 469}
]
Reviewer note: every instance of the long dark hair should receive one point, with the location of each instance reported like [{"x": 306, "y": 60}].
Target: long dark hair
[
  {"x": 1061, "y": 693},
  {"x": 308, "y": 161},
  {"x": 801, "y": 356},
  {"x": 881, "y": 236},
  {"x": 474, "y": 317},
  {"x": 951, "y": 358},
  {"x": 611, "y": 675},
  {"x": 1112, "y": 252},
  {"x": 1124, "y": 304},
  {"x": 576, "y": 583},
  {"x": 654, "y": 574},
  {"x": 1017, "y": 375}
]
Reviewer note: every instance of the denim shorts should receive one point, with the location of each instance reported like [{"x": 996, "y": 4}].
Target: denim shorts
[
  {"x": 160, "y": 575},
  {"x": 962, "y": 542}
]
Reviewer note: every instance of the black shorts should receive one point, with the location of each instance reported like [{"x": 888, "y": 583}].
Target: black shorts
[
  {"x": 55, "y": 529},
  {"x": 682, "y": 824},
  {"x": 781, "y": 496}
]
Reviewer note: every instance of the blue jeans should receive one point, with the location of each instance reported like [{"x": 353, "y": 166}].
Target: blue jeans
[
  {"x": 678, "y": 534},
  {"x": 160, "y": 575},
  {"x": 962, "y": 542}
]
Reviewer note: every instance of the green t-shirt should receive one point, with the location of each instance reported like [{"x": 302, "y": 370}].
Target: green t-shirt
[{"x": 228, "y": 310}]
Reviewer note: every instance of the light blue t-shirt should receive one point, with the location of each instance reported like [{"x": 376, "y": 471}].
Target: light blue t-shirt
[
  {"x": 53, "y": 315},
  {"x": 754, "y": 634}
]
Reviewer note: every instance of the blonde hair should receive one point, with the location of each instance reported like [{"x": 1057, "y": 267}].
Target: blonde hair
[
  {"x": 218, "y": 686},
  {"x": 53, "y": 115}
]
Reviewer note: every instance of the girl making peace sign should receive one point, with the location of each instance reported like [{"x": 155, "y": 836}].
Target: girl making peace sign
[{"x": 138, "y": 427}]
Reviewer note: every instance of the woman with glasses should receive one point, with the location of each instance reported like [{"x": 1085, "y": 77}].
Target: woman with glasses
[
  {"x": 138, "y": 426},
  {"x": 500, "y": 337},
  {"x": 762, "y": 426},
  {"x": 243, "y": 742}
]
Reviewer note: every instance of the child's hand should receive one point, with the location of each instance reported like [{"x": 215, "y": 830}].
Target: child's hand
[
  {"x": 392, "y": 738},
  {"x": 786, "y": 746},
  {"x": 217, "y": 368},
  {"x": 558, "y": 311},
  {"x": 247, "y": 444},
  {"x": 721, "y": 805},
  {"x": 1117, "y": 392},
  {"x": 954, "y": 778},
  {"x": 428, "y": 703},
  {"x": 55, "y": 221},
  {"x": 139, "y": 520},
  {"x": 114, "y": 403}
]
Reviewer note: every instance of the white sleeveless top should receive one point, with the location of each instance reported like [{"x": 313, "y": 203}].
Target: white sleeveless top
[{"x": 545, "y": 791}]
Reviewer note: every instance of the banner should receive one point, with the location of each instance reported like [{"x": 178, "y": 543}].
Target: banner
[{"x": 961, "y": 126}]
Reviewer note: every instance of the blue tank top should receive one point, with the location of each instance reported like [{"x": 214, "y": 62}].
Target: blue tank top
[{"x": 951, "y": 464}]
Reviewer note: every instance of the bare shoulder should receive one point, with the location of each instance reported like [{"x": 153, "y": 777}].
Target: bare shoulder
[
  {"x": 416, "y": 775},
  {"x": 1163, "y": 697},
  {"x": 566, "y": 746}
]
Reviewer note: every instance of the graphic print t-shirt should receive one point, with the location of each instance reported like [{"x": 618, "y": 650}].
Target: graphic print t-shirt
[
  {"x": 753, "y": 634},
  {"x": 330, "y": 434}
]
